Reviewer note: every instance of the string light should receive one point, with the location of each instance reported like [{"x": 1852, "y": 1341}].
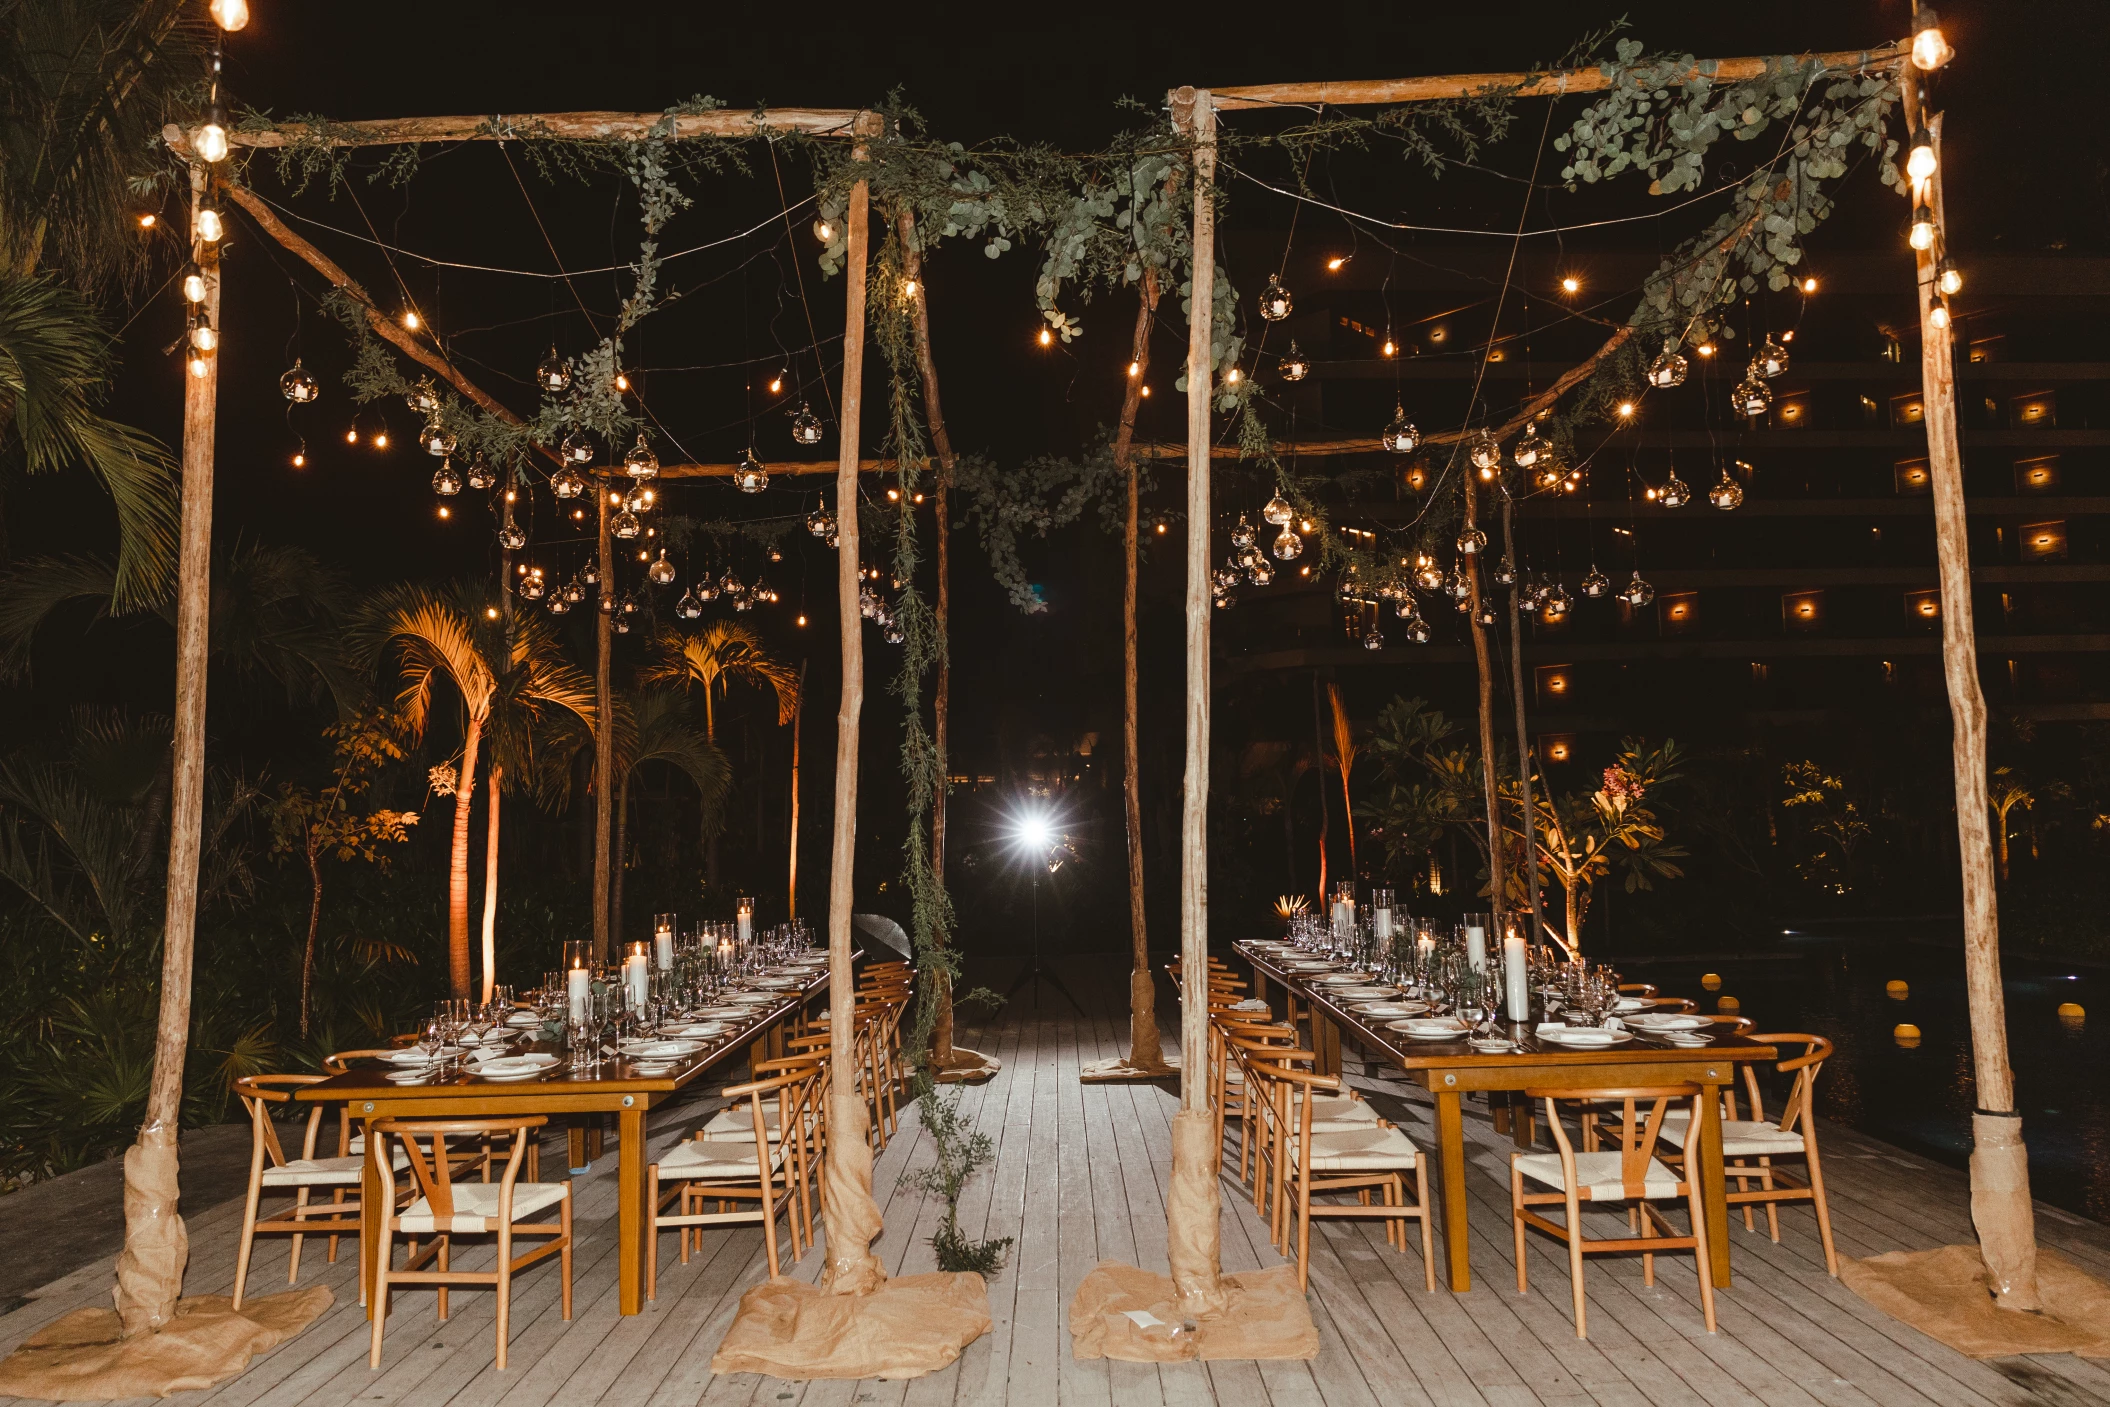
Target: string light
[
  {"x": 1939, "y": 316},
  {"x": 410, "y": 320},
  {"x": 202, "y": 335},
  {"x": 622, "y": 382},
  {"x": 1135, "y": 369},
  {"x": 209, "y": 139},
  {"x": 445, "y": 512},
  {"x": 776, "y": 383},
  {"x": 229, "y": 15},
  {"x": 381, "y": 439},
  {"x": 908, "y": 288},
  {"x": 208, "y": 226},
  {"x": 1146, "y": 391},
  {"x": 194, "y": 284},
  {"x": 1705, "y": 349},
  {"x": 1948, "y": 278},
  {"x": 148, "y": 220},
  {"x": 1626, "y": 410},
  {"x": 351, "y": 435},
  {"x": 1922, "y": 235},
  {"x": 1571, "y": 284},
  {"x": 300, "y": 456},
  {"x": 1333, "y": 265},
  {"x": 1390, "y": 348},
  {"x": 199, "y": 364},
  {"x": 823, "y": 231},
  {"x": 1930, "y": 50},
  {"x": 1047, "y": 338}
]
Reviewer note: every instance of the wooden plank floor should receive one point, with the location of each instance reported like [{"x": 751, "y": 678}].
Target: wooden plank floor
[{"x": 1080, "y": 1176}]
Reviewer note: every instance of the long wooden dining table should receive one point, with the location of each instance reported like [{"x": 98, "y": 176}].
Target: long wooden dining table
[
  {"x": 611, "y": 1087},
  {"x": 1449, "y": 1070}
]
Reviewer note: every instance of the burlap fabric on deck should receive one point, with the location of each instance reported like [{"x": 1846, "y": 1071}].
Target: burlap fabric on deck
[
  {"x": 84, "y": 1357},
  {"x": 1130, "y": 1314},
  {"x": 1947, "y": 1295},
  {"x": 904, "y": 1329}
]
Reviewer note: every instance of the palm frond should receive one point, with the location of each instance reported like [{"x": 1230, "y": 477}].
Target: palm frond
[
  {"x": 30, "y": 595},
  {"x": 431, "y": 636},
  {"x": 724, "y": 653},
  {"x": 665, "y": 734}
]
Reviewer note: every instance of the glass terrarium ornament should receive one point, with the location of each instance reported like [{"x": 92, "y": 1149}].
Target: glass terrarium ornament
[
  {"x": 423, "y": 398},
  {"x": 819, "y": 522},
  {"x": 553, "y": 376},
  {"x": 1428, "y": 575},
  {"x": 567, "y": 482},
  {"x": 576, "y": 449},
  {"x": 688, "y": 607},
  {"x": 1373, "y": 638},
  {"x": 1470, "y": 540},
  {"x": 806, "y": 427},
  {"x": 1596, "y": 583},
  {"x": 1278, "y": 511},
  {"x": 661, "y": 571},
  {"x": 1287, "y": 545},
  {"x": 299, "y": 384},
  {"x": 1275, "y": 301},
  {"x": 1637, "y": 592},
  {"x": 625, "y": 525},
  {"x": 1416, "y": 629},
  {"x": 1675, "y": 493},
  {"x": 1770, "y": 360},
  {"x": 1401, "y": 437},
  {"x": 512, "y": 537},
  {"x": 1460, "y": 588},
  {"x": 481, "y": 475},
  {"x": 1752, "y": 395},
  {"x": 641, "y": 463},
  {"x": 1505, "y": 572},
  {"x": 446, "y": 480},
  {"x": 532, "y": 586},
  {"x": 1727, "y": 494},
  {"x": 1669, "y": 367},
  {"x": 437, "y": 439},
  {"x": 1296, "y": 366},
  {"x": 749, "y": 476},
  {"x": 1531, "y": 449},
  {"x": 1484, "y": 450},
  {"x": 1242, "y": 533}
]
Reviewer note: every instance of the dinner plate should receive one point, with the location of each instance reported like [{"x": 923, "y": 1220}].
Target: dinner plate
[
  {"x": 411, "y": 1055},
  {"x": 516, "y": 1067},
  {"x": 713, "y": 1013},
  {"x": 754, "y": 998},
  {"x": 1313, "y": 966},
  {"x": 1365, "y": 993},
  {"x": 780, "y": 984},
  {"x": 524, "y": 1019},
  {"x": 660, "y": 1049},
  {"x": 1583, "y": 1037},
  {"x": 1626, "y": 1004},
  {"x": 703, "y": 1029},
  {"x": 1391, "y": 1009},
  {"x": 408, "y": 1077},
  {"x": 1347, "y": 977},
  {"x": 651, "y": 1068},
  {"x": 1690, "y": 1040},
  {"x": 1670, "y": 1022},
  {"x": 1430, "y": 1028}
]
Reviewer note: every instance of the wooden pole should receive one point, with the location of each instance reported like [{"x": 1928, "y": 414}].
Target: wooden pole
[
  {"x": 798, "y": 719},
  {"x": 604, "y": 736},
  {"x": 150, "y": 1268},
  {"x": 1497, "y": 862},
  {"x": 1530, "y": 817},
  {"x": 568, "y": 126},
  {"x": 1193, "y": 1201},
  {"x": 2000, "y": 1201},
  {"x": 846, "y": 1179},
  {"x": 1146, "y": 1047}
]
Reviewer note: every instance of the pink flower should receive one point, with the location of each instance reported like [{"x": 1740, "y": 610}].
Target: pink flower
[{"x": 1622, "y": 786}]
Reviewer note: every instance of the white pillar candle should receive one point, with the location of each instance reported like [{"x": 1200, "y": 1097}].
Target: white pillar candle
[
  {"x": 578, "y": 988},
  {"x": 1381, "y": 924},
  {"x": 1476, "y": 947},
  {"x": 636, "y": 981},
  {"x": 1517, "y": 970},
  {"x": 746, "y": 915},
  {"x": 663, "y": 949}
]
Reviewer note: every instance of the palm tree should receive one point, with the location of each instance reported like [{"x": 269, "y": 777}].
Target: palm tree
[
  {"x": 517, "y": 691},
  {"x": 717, "y": 657},
  {"x": 654, "y": 727},
  {"x": 1344, "y": 759}
]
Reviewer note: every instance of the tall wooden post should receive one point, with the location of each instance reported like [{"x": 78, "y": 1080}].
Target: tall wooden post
[
  {"x": 2000, "y": 1202},
  {"x": 846, "y": 1181},
  {"x": 1146, "y": 1052},
  {"x": 1497, "y": 867},
  {"x": 150, "y": 1268},
  {"x": 1192, "y": 1203},
  {"x": 791, "y": 879},
  {"x": 1516, "y": 680},
  {"x": 604, "y": 860}
]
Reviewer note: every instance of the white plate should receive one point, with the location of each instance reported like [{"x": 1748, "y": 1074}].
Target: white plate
[
  {"x": 1583, "y": 1037},
  {"x": 1430, "y": 1028},
  {"x": 516, "y": 1067},
  {"x": 1348, "y": 977},
  {"x": 660, "y": 1050},
  {"x": 407, "y": 1077},
  {"x": 713, "y": 1013},
  {"x": 703, "y": 1030},
  {"x": 524, "y": 1019},
  {"x": 412, "y": 1056},
  {"x": 780, "y": 984},
  {"x": 1391, "y": 1009},
  {"x": 1670, "y": 1022},
  {"x": 1365, "y": 993},
  {"x": 754, "y": 999},
  {"x": 1312, "y": 966},
  {"x": 1688, "y": 1040}
]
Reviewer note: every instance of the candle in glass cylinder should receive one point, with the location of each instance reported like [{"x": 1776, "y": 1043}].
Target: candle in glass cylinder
[
  {"x": 746, "y": 915},
  {"x": 1381, "y": 915},
  {"x": 636, "y": 977},
  {"x": 1516, "y": 969},
  {"x": 1476, "y": 941},
  {"x": 578, "y": 990},
  {"x": 663, "y": 942}
]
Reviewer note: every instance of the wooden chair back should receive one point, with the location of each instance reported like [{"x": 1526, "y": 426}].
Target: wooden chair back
[
  {"x": 433, "y": 1169},
  {"x": 1637, "y": 1136},
  {"x": 1799, "y": 1106},
  {"x": 258, "y": 1093}
]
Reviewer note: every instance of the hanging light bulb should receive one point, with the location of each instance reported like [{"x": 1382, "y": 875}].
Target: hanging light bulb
[
  {"x": 1948, "y": 278},
  {"x": 446, "y": 480},
  {"x": 1727, "y": 494},
  {"x": 1922, "y": 233},
  {"x": 749, "y": 475},
  {"x": 1675, "y": 493},
  {"x": 1470, "y": 540},
  {"x": 481, "y": 475},
  {"x": 1938, "y": 315},
  {"x": 1296, "y": 366},
  {"x": 806, "y": 427},
  {"x": 1242, "y": 534},
  {"x": 1278, "y": 510},
  {"x": 229, "y": 15},
  {"x": 1929, "y": 49},
  {"x": 1505, "y": 573},
  {"x": 202, "y": 335},
  {"x": 1638, "y": 593},
  {"x": 1274, "y": 300},
  {"x": 625, "y": 525},
  {"x": 823, "y": 231},
  {"x": 661, "y": 571},
  {"x": 1770, "y": 360},
  {"x": 209, "y": 140},
  {"x": 1920, "y": 161},
  {"x": 553, "y": 375},
  {"x": 194, "y": 289},
  {"x": 1669, "y": 367},
  {"x": 576, "y": 449},
  {"x": 1751, "y": 397},
  {"x": 641, "y": 463},
  {"x": 437, "y": 439},
  {"x": 567, "y": 482},
  {"x": 532, "y": 586},
  {"x": 351, "y": 433},
  {"x": 1400, "y": 435},
  {"x": 1596, "y": 583},
  {"x": 1485, "y": 450},
  {"x": 300, "y": 456},
  {"x": 299, "y": 385}
]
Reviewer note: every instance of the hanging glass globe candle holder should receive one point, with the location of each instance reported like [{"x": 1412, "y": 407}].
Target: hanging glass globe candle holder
[
  {"x": 621, "y": 624},
  {"x": 638, "y": 500},
  {"x": 576, "y": 449},
  {"x": 1557, "y": 602},
  {"x": 1751, "y": 396},
  {"x": 1505, "y": 572},
  {"x": 1485, "y": 615},
  {"x": 641, "y": 463},
  {"x": 1596, "y": 583},
  {"x": 1287, "y": 546},
  {"x": 1638, "y": 593},
  {"x": 1460, "y": 588},
  {"x": 894, "y": 634},
  {"x": 1470, "y": 540},
  {"x": 1278, "y": 511},
  {"x": 1274, "y": 300},
  {"x": 1242, "y": 533},
  {"x": 1770, "y": 360},
  {"x": 1224, "y": 578},
  {"x": 1428, "y": 574},
  {"x": 1531, "y": 449},
  {"x": 1549, "y": 472},
  {"x": 688, "y": 607},
  {"x": 707, "y": 588},
  {"x": 437, "y": 439},
  {"x": 868, "y": 602},
  {"x": 590, "y": 574},
  {"x": 1416, "y": 629},
  {"x": 625, "y": 525},
  {"x": 1296, "y": 366},
  {"x": 1225, "y": 599},
  {"x": 661, "y": 571},
  {"x": 481, "y": 475},
  {"x": 1401, "y": 437},
  {"x": 423, "y": 397},
  {"x": 806, "y": 427},
  {"x": 1373, "y": 638},
  {"x": 559, "y": 603},
  {"x": 748, "y": 474},
  {"x": 1484, "y": 450},
  {"x": 1727, "y": 494},
  {"x": 512, "y": 537},
  {"x": 574, "y": 591},
  {"x": 446, "y": 480},
  {"x": 1669, "y": 367},
  {"x": 567, "y": 482},
  {"x": 819, "y": 523},
  {"x": 532, "y": 586},
  {"x": 1246, "y": 557},
  {"x": 1260, "y": 573},
  {"x": 1675, "y": 493},
  {"x": 731, "y": 586},
  {"x": 299, "y": 384},
  {"x": 553, "y": 376},
  {"x": 629, "y": 606}
]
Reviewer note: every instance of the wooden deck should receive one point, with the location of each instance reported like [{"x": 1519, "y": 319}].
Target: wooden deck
[{"x": 1080, "y": 1176}]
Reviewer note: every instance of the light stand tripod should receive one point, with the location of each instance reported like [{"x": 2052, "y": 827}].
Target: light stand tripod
[{"x": 1035, "y": 973}]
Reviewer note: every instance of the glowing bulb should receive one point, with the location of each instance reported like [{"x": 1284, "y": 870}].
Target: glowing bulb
[
  {"x": 622, "y": 382},
  {"x": 776, "y": 384},
  {"x": 410, "y": 320},
  {"x": 147, "y": 221},
  {"x": 490, "y": 613},
  {"x": 1809, "y": 285},
  {"x": 1920, "y": 163},
  {"x": 1390, "y": 348},
  {"x": 209, "y": 140},
  {"x": 1333, "y": 265},
  {"x": 203, "y": 337},
  {"x": 1922, "y": 236},
  {"x": 300, "y": 459},
  {"x": 1940, "y": 315},
  {"x": 230, "y": 15},
  {"x": 351, "y": 436},
  {"x": 200, "y": 364},
  {"x": 1231, "y": 377},
  {"x": 1146, "y": 390},
  {"x": 1135, "y": 369},
  {"x": 1571, "y": 284},
  {"x": 1626, "y": 408},
  {"x": 802, "y": 619},
  {"x": 381, "y": 440},
  {"x": 908, "y": 289},
  {"x": 823, "y": 231},
  {"x": 1929, "y": 49},
  {"x": 1047, "y": 338},
  {"x": 1950, "y": 279},
  {"x": 209, "y": 226},
  {"x": 1705, "y": 349},
  {"x": 446, "y": 512},
  {"x": 193, "y": 285}
]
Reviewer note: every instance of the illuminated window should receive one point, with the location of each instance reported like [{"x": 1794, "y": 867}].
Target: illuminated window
[
  {"x": 1556, "y": 682},
  {"x": 2037, "y": 475},
  {"x": 1792, "y": 410},
  {"x": 2038, "y": 410},
  {"x": 1907, "y": 409},
  {"x": 1557, "y": 747},
  {"x": 1913, "y": 476},
  {"x": 2043, "y": 542},
  {"x": 1758, "y": 672},
  {"x": 1679, "y": 611},
  {"x": 1415, "y": 477},
  {"x": 1923, "y": 608},
  {"x": 1802, "y": 610}
]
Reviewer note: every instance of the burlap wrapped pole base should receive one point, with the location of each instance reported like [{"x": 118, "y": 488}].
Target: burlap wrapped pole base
[
  {"x": 907, "y": 1327},
  {"x": 967, "y": 1067},
  {"x": 1121, "y": 1071},
  {"x": 84, "y": 1356},
  {"x": 1947, "y": 1295},
  {"x": 1133, "y": 1315}
]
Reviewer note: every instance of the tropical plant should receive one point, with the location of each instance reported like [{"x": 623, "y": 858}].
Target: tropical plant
[
  {"x": 1423, "y": 790},
  {"x": 313, "y": 824},
  {"x": 1343, "y": 758},
  {"x": 1832, "y": 826},
  {"x": 512, "y": 680},
  {"x": 1581, "y": 836},
  {"x": 719, "y": 656}
]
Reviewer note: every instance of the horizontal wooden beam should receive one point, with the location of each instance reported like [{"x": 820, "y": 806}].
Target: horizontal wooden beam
[
  {"x": 726, "y": 471},
  {"x": 1445, "y": 87},
  {"x": 568, "y": 126}
]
